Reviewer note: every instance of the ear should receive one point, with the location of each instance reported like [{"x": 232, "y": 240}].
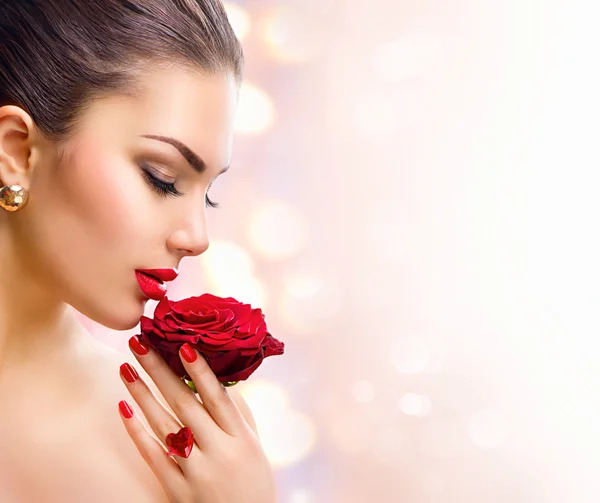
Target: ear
[{"x": 17, "y": 135}]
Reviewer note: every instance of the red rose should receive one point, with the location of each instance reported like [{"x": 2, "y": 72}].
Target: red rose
[{"x": 231, "y": 335}]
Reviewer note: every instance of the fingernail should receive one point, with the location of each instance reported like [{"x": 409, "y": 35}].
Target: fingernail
[
  {"x": 137, "y": 346},
  {"x": 125, "y": 409},
  {"x": 188, "y": 353},
  {"x": 128, "y": 372}
]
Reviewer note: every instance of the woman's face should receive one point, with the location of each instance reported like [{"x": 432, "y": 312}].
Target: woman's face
[{"x": 95, "y": 218}]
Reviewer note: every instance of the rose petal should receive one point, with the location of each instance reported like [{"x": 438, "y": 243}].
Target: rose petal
[{"x": 232, "y": 336}]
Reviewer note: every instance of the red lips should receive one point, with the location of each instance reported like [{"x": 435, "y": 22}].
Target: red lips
[
  {"x": 161, "y": 274},
  {"x": 151, "y": 281}
]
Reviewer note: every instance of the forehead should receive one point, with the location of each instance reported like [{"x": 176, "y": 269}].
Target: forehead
[
  {"x": 197, "y": 109},
  {"x": 179, "y": 95}
]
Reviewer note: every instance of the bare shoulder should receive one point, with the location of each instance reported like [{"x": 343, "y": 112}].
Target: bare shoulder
[{"x": 111, "y": 360}]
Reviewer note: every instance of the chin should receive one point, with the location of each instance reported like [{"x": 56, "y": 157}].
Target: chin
[
  {"x": 122, "y": 324},
  {"x": 118, "y": 316}
]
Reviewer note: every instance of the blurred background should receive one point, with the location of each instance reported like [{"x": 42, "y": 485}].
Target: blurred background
[{"x": 412, "y": 203}]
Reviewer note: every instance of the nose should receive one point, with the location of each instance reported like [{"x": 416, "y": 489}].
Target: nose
[{"x": 191, "y": 238}]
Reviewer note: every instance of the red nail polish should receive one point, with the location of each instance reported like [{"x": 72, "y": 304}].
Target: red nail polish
[
  {"x": 126, "y": 410},
  {"x": 188, "y": 353},
  {"x": 137, "y": 346},
  {"x": 128, "y": 372}
]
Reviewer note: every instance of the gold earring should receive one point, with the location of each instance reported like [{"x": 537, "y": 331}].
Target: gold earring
[{"x": 13, "y": 197}]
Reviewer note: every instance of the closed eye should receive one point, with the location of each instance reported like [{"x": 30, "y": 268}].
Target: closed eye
[{"x": 167, "y": 189}]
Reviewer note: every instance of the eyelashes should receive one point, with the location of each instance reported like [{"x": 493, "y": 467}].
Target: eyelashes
[{"x": 166, "y": 189}]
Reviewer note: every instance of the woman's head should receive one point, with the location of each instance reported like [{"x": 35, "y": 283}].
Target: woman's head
[{"x": 86, "y": 90}]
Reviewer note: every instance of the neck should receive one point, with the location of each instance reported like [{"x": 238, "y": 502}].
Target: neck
[{"x": 37, "y": 329}]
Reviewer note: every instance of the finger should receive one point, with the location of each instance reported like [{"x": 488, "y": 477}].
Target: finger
[
  {"x": 182, "y": 400},
  {"x": 167, "y": 471},
  {"x": 243, "y": 407},
  {"x": 159, "y": 418},
  {"x": 214, "y": 395}
]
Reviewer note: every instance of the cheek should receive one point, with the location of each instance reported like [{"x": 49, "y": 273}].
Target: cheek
[
  {"x": 91, "y": 219},
  {"x": 107, "y": 201}
]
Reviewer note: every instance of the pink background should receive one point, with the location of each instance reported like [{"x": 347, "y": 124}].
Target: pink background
[{"x": 413, "y": 204}]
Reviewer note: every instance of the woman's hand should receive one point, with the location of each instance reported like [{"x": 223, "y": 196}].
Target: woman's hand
[{"x": 227, "y": 463}]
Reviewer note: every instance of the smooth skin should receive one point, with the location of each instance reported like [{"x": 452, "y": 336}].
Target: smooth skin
[
  {"x": 91, "y": 220},
  {"x": 227, "y": 463}
]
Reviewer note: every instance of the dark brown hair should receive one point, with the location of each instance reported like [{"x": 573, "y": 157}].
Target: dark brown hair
[{"x": 57, "y": 56}]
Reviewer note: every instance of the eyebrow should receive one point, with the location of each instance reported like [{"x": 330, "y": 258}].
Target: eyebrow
[{"x": 193, "y": 159}]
